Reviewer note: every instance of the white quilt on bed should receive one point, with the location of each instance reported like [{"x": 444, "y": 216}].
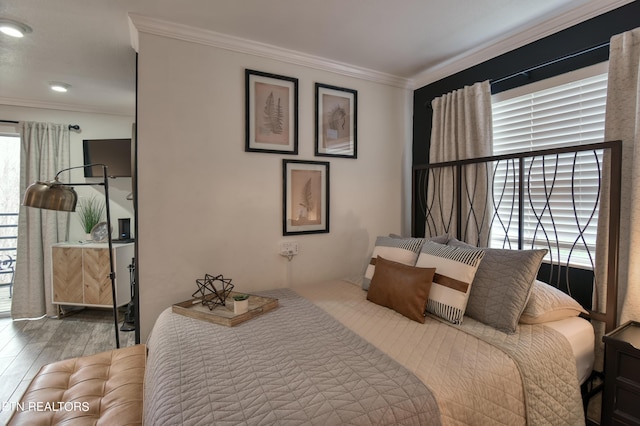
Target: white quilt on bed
[{"x": 529, "y": 377}]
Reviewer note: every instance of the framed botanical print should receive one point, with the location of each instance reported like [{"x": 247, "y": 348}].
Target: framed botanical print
[
  {"x": 271, "y": 113},
  {"x": 305, "y": 206},
  {"x": 336, "y": 121}
]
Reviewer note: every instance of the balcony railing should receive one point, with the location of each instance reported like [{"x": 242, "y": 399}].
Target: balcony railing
[{"x": 8, "y": 249}]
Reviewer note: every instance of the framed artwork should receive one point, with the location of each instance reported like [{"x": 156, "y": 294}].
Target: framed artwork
[
  {"x": 336, "y": 121},
  {"x": 271, "y": 113},
  {"x": 305, "y": 206}
]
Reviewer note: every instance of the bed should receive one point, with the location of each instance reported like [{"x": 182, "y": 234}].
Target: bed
[{"x": 366, "y": 352}]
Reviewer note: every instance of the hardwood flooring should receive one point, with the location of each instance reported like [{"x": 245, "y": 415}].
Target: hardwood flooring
[{"x": 27, "y": 345}]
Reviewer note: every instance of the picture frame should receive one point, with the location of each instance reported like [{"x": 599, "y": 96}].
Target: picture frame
[
  {"x": 271, "y": 113},
  {"x": 305, "y": 204},
  {"x": 336, "y": 130}
]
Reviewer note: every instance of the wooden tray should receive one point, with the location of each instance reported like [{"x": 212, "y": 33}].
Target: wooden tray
[{"x": 224, "y": 315}]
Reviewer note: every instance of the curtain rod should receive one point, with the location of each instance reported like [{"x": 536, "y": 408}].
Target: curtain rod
[
  {"x": 71, "y": 126},
  {"x": 546, "y": 64},
  {"x": 537, "y": 67}
]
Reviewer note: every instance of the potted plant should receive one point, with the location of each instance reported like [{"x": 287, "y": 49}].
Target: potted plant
[
  {"x": 240, "y": 303},
  {"x": 90, "y": 213}
]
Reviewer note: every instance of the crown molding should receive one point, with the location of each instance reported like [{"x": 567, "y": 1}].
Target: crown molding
[
  {"x": 515, "y": 39},
  {"x": 30, "y": 103},
  {"x": 145, "y": 24}
]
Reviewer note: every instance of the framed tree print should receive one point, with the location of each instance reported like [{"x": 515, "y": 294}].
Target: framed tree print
[
  {"x": 305, "y": 206},
  {"x": 271, "y": 113},
  {"x": 336, "y": 121}
]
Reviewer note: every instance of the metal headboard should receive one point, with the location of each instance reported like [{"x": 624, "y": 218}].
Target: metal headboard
[{"x": 505, "y": 207}]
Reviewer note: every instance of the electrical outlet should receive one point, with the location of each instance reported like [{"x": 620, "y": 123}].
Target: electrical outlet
[{"x": 289, "y": 248}]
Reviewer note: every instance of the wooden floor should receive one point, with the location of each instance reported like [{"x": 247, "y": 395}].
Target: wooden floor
[{"x": 25, "y": 346}]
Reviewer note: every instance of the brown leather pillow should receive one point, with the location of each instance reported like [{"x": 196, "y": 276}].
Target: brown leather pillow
[{"x": 403, "y": 288}]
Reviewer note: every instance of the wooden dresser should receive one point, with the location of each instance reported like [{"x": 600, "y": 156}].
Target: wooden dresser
[
  {"x": 621, "y": 400},
  {"x": 81, "y": 274}
]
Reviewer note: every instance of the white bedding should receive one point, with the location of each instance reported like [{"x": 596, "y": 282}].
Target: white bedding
[
  {"x": 579, "y": 332},
  {"x": 547, "y": 360},
  {"x": 580, "y": 335}
]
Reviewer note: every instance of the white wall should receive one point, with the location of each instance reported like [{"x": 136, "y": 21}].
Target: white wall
[
  {"x": 92, "y": 126},
  {"x": 207, "y": 206}
]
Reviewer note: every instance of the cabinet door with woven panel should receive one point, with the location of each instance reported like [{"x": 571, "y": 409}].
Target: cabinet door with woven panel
[
  {"x": 97, "y": 284},
  {"x": 67, "y": 274}
]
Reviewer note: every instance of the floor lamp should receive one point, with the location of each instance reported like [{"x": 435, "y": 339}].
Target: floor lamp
[{"x": 54, "y": 195}]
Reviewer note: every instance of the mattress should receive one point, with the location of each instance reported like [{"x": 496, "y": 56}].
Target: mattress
[{"x": 579, "y": 332}]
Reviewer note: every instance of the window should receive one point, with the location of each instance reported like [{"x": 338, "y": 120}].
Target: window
[
  {"x": 9, "y": 205},
  {"x": 569, "y": 110}
]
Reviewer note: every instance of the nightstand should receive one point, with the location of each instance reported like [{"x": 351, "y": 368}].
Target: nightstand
[{"x": 621, "y": 399}]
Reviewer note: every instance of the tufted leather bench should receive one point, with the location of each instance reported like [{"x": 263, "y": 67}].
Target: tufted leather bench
[{"x": 101, "y": 389}]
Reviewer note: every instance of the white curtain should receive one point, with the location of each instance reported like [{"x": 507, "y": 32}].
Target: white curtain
[
  {"x": 622, "y": 122},
  {"x": 462, "y": 128},
  {"x": 44, "y": 152}
]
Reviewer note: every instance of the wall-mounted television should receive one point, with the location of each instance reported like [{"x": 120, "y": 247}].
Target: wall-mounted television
[{"x": 115, "y": 153}]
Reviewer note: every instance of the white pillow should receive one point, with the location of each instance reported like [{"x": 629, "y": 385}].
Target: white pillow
[
  {"x": 455, "y": 269},
  {"x": 402, "y": 250},
  {"x": 547, "y": 303}
]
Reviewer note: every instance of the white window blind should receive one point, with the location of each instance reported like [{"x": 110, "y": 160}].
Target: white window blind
[{"x": 568, "y": 114}]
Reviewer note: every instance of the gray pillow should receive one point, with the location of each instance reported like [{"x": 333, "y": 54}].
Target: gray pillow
[
  {"x": 502, "y": 285},
  {"x": 440, "y": 239}
]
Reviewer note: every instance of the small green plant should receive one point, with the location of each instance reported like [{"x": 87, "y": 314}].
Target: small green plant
[
  {"x": 90, "y": 213},
  {"x": 239, "y": 297}
]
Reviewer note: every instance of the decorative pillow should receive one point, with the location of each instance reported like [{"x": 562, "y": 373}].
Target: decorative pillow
[
  {"x": 403, "y": 250},
  {"x": 547, "y": 303},
  {"x": 440, "y": 239},
  {"x": 403, "y": 288},
  {"x": 455, "y": 269},
  {"x": 502, "y": 285}
]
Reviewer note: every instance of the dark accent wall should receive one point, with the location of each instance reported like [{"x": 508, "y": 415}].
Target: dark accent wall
[
  {"x": 581, "y": 281},
  {"x": 580, "y": 37}
]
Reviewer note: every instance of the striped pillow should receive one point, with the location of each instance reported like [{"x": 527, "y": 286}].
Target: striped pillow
[
  {"x": 402, "y": 250},
  {"x": 455, "y": 269}
]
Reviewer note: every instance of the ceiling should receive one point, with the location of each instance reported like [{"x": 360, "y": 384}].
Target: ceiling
[{"x": 87, "y": 43}]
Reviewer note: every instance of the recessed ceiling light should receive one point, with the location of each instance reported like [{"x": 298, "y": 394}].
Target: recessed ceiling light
[
  {"x": 58, "y": 86},
  {"x": 14, "y": 28}
]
